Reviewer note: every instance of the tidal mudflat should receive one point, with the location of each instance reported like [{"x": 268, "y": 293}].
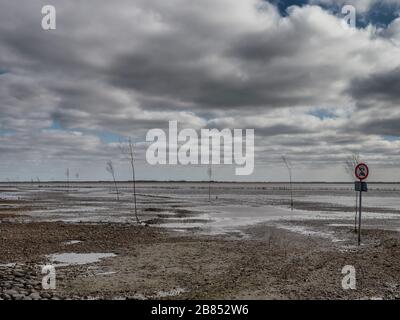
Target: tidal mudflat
[{"x": 244, "y": 242}]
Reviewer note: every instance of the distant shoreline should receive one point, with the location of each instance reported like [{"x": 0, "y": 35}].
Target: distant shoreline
[{"x": 186, "y": 181}]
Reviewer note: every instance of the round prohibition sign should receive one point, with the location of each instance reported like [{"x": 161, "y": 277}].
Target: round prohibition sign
[{"x": 362, "y": 171}]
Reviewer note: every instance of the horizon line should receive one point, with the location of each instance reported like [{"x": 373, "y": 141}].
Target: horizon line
[{"x": 188, "y": 181}]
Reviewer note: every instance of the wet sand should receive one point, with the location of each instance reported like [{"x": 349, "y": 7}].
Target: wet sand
[{"x": 292, "y": 258}]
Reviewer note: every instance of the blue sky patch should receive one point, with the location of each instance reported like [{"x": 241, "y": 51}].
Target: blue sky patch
[
  {"x": 6, "y": 133},
  {"x": 323, "y": 114},
  {"x": 284, "y": 4},
  {"x": 383, "y": 14},
  {"x": 380, "y": 14},
  {"x": 105, "y": 136},
  {"x": 56, "y": 125},
  {"x": 391, "y": 138},
  {"x": 109, "y": 137}
]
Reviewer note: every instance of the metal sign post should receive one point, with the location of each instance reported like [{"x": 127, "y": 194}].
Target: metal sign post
[
  {"x": 359, "y": 218},
  {"x": 361, "y": 173}
]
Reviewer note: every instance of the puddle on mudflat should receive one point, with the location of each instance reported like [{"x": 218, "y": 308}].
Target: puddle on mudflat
[
  {"x": 71, "y": 242},
  {"x": 66, "y": 259}
]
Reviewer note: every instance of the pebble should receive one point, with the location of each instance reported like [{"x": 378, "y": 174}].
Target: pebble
[
  {"x": 35, "y": 296},
  {"x": 10, "y": 292},
  {"x": 21, "y": 282}
]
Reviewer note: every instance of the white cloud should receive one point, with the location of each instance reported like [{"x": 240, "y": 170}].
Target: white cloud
[{"x": 128, "y": 68}]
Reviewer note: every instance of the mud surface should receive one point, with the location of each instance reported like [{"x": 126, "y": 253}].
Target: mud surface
[
  {"x": 152, "y": 263},
  {"x": 289, "y": 258}
]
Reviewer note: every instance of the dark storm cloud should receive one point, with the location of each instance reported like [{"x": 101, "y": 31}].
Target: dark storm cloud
[
  {"x": 381, "y": 126},
  {"x": 256, "y": 67},
  {"x": 381, "y": 87},
  {"x": 377, "y": 98}
]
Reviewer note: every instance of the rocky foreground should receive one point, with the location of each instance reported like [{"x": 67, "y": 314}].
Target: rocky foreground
[
  {"x": 152, "y": 263},
  {"x": 21, "y": 282}
]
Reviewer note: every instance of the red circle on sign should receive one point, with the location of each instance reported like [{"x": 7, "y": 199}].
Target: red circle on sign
[{"x": 362, "y": 171}]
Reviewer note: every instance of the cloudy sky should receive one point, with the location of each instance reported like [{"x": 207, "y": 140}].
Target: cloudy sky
[{"x": 312, "y": 89}]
